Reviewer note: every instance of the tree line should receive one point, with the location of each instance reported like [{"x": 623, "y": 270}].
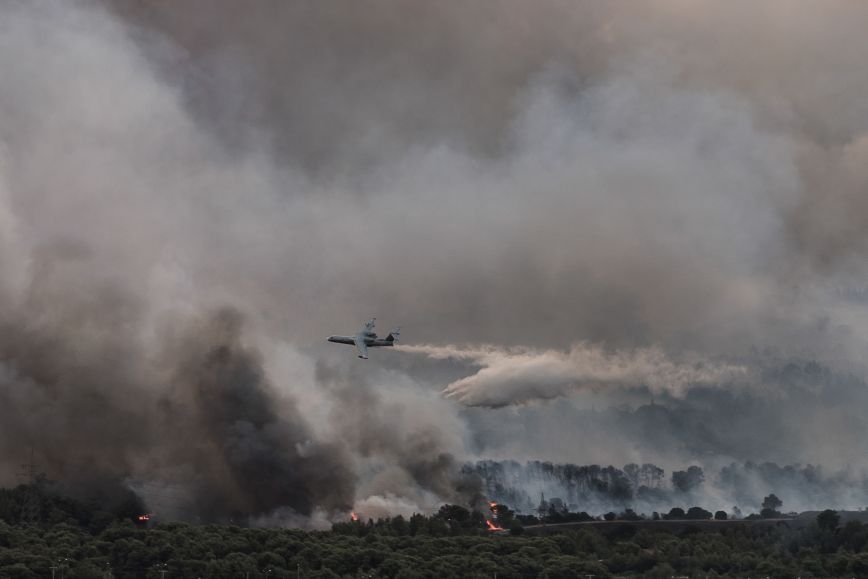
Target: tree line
[
  {"x": 43, "y": 534},
  {"x": 648, "y": 487}
]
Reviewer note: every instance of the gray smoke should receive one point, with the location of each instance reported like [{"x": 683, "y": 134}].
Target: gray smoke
[
  {"x": 647, "y": 488},
  {"x": 409, "y": 440},
  {"x": 683, "y": 179}
]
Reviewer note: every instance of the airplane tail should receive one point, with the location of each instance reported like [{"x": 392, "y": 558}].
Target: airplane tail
[{"x": 393, "y": 335}]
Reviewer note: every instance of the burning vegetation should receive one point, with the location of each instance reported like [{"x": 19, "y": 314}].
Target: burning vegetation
[
  {"x": 492, "y": 523},
  {"x": 831, "y": 544}
]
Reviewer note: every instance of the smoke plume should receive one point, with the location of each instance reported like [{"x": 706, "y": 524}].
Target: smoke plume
[
  {"x": 246, "y": 451},
  {"x": 193, "y": 194}
]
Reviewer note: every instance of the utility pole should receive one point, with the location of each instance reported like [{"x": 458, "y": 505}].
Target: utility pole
[
  {"x": 61, "y": 563},
  {"x": 28, "y": 470}
]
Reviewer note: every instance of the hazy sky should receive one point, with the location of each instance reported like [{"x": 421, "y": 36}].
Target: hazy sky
[{"x": 581, "y": 203}]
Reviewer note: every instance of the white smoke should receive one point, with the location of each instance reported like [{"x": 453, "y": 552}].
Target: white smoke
[
  {"x": 518, "y": 375},
  {"x": 390, "y": 505}
]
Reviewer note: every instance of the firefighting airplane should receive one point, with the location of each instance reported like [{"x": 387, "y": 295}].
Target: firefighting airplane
[{"x": 367, "y": 338}]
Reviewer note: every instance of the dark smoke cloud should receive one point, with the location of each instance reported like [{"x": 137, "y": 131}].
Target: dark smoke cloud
[
  {"x": 247, "y": 452},
  {"x": 668, "y": 176},
  {"x": 72, "y": 375}
]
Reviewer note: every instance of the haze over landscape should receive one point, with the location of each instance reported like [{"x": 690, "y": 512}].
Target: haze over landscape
[{"x": 612, "y": 232}]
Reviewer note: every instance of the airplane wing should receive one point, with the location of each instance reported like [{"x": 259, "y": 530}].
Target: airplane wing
[
  {"x": 369, "y": 325},
  {"x": 361, "y": 347}
]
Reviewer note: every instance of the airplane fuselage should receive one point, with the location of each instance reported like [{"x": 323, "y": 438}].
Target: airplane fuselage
[
  {"x": 367, "y": 338},
  {"x": 369, "y": 341}
]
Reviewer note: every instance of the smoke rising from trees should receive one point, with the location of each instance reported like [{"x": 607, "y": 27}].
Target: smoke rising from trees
[{"x": 647, "y": 488}]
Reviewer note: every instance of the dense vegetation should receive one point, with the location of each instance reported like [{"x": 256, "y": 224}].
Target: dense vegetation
[{"x": 78, "y": 540}]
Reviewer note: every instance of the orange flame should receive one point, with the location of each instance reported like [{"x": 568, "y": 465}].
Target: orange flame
[
  {"x": 354, "y": 517},
  {"x": 492, "y": 526},
  {"x": 144, "y": 518}
]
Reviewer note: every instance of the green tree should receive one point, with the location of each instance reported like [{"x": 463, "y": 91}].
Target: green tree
[
  {"x": 697, "y": 513},
  {"x": 399, "y": 526},
  {"x": 688, "y": 480},
  {"x": 18, "y": 571},
  {"x": 770, "y": 507},
  {"x": 828, "y": 520},
  {"x": 418, "y": 524}
]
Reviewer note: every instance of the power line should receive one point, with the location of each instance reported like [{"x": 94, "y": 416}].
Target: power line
[{"x": 31, "y": 506}]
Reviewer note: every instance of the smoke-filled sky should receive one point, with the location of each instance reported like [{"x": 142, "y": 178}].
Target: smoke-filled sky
[{"x": 570, "y": 207}]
